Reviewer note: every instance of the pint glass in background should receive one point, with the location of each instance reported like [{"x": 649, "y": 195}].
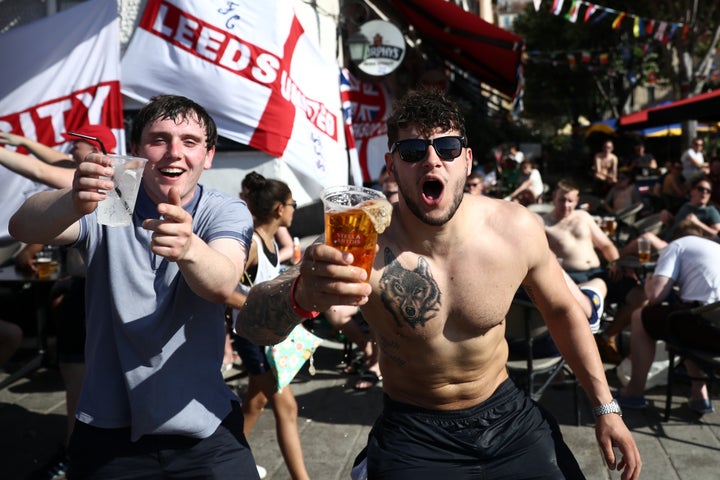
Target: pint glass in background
[
  {"x": 353, "y": 218},
  {"x": 644, "y": 249}
]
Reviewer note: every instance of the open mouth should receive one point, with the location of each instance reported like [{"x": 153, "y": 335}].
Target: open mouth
[
  {"x": 432, "y": 189},
  {"x": 171, "y": 172}
]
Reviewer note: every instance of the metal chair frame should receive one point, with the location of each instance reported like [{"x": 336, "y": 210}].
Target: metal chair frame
[
  {"x": 707, "y": 361},
  {"x": 524, "y": 324}
]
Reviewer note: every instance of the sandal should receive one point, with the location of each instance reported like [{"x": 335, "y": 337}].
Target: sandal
[
  {"x": 354, "y": 367},
  {"x": 369, "y": 377}
]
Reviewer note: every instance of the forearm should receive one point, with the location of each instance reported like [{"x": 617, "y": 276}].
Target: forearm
[
  {"x": 43, "y": 152},
  {"x": 267, "y": 316},
  {"x": 48, "y": 217},
  {"x": 210, "y": 270},
  {"x": 610, "y": 253},
  {"x": 36, "y": 170},
  {"x": 577, "y": 345},
  {"x": 236, "y": 300}
]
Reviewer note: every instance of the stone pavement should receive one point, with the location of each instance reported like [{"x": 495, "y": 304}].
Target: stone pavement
[{"x": 334, "y": 422}]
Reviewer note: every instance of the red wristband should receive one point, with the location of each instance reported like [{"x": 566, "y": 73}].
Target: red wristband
[{"x": 296, "y": 308}]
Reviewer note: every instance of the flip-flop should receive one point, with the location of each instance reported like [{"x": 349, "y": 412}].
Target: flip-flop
[{"x": 370, "y": 377}]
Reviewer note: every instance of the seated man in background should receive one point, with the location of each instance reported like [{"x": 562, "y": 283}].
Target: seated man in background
[
  {"x": 574, "y": 237},
  {"x": 698, "y": 211},
  {"x": 690, "y": 263},
  {"x": 530, "y": 181}
]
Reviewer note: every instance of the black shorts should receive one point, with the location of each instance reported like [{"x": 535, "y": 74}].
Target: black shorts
[
  {"x": 617, "y": 289},
  {"x": 108, "y": 453},
  {"x": 507, "y": 436},
  {"x": 252, "y": 356}
]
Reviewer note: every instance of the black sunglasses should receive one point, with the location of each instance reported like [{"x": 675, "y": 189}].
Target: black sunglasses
[
  {"x": 292, "y": 204},
  {"x": 412, "y": 150},
  {"x": 703, "y": 189}
]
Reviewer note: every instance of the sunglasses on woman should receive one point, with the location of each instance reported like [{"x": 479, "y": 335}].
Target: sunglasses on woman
[{"x": 412, "y": 150}]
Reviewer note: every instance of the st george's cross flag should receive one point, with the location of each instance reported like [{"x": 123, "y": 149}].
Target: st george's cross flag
[
  {"x": 251, "y": 65},
  {"x": 62, "y": 72}
]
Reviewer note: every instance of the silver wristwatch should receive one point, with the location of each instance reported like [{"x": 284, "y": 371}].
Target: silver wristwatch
[{"x": 606, "y": 408}]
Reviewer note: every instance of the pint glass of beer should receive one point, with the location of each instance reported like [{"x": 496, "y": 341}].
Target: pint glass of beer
[
  {"x": 644, "y": 249},
  {"x": 353, "y": 218}
]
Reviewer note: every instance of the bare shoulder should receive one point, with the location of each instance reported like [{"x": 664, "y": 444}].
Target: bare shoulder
[{"x": 513, "y": 220}]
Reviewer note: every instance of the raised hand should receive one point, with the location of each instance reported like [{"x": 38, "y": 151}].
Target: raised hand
[{"x": 172, "y": 232}]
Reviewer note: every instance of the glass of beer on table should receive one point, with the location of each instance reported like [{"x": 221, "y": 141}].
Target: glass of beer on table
[{"x": 354, "y": 216}]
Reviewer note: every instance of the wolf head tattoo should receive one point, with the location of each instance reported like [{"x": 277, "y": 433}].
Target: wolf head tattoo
[{"x": 411, "y": 295}]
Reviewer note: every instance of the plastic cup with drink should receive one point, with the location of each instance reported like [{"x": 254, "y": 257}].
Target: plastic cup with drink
[
  {"x": 117, "y": 208},
  {"x": 644, "y": 249},
  {"x": 354, "y": 216}
]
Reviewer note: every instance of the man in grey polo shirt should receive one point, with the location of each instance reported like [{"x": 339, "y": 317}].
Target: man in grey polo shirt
[{"x": 154, "y": 403}]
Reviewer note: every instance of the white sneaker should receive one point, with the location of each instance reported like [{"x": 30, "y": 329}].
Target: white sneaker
[{"x": 261, "y": 471}]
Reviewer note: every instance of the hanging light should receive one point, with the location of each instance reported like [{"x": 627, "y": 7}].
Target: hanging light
[{"x": 357, "y": 44}]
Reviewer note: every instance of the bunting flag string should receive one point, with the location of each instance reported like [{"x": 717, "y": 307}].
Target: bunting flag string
[{"x": 659, "y": 30}]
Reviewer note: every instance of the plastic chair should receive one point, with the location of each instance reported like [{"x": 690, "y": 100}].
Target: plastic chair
[
  {"x": 525, "y": 326},
  {"x": 651, "y": 223},
  {"x": 625, "y": 218},
  {"x": 705, "y": 354}
]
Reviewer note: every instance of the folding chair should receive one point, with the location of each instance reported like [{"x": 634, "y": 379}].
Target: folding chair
[
  {"x": 705, "y": 353},
  {"x": 625, "y": 218},
  {"x": 524, "y": 327}
]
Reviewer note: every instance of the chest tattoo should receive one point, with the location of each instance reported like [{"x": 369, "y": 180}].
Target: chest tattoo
[{"x": 412, "y": 296}]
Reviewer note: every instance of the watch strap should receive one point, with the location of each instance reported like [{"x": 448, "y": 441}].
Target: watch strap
[{"x": 605, "y": 408}]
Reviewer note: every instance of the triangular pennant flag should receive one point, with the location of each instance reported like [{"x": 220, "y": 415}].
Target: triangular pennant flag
[
  {"x": 573, "y": 12},
  {"x": 604, "y": 58},
  {"x": 591, "y": 8},
  {"x": 660, "y": 33},
  {"x": 616, "y": 23},
  {"x": 641, "y": 26},
  {"x": 557, "y": 7},
  {"x": 603, "y": 14},
  {"x": 537, "y": 4},
  {"x": 585, "y": 56},
  {"x": 636, "y": 27},
  {"x": 649, "y": 26},
  {"x": 685, "y": 31}
]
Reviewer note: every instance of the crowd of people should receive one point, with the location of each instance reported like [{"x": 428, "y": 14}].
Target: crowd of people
[{"x": 150, "y": 373}]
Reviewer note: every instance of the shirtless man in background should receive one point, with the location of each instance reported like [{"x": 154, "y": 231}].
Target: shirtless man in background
[
  {"x": 574, "y": 236},
  {"x": 449, "y": 406}
]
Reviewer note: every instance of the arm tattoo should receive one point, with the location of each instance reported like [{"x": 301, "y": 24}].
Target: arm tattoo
[
  {"x": 412, "y": 296},
  {"x": 267, "y": 317}
]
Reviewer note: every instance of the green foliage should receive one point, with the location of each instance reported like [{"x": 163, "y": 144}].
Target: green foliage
[{"x": 557, "y": 92}]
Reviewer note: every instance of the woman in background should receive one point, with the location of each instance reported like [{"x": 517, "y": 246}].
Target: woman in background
[{"x": 272, "y": 206}]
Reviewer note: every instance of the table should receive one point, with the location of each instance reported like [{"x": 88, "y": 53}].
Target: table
[
  {"x": 641, "y": 268},
  {"x": 12, "y": 277}
]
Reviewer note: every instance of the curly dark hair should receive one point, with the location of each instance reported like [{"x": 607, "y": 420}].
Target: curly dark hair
[
  {"x": 176, "y": 108},
  {"x": 427, "y": 110},
  {"x": 263, "y": 194}
]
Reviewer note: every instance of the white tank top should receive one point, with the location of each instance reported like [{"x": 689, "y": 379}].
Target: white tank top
[{"x": 265, "y": 268}]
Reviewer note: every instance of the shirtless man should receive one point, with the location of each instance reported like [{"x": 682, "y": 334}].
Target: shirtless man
[
  {"x": 574, "y": 236},
  {"x": 605, "y": 167},
  {"x": 442, "y": 345}
]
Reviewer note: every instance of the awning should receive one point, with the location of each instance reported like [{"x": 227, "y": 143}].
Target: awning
[
  {"x": 484, "y": 50},
  {"x": 703, "y": 107}
]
